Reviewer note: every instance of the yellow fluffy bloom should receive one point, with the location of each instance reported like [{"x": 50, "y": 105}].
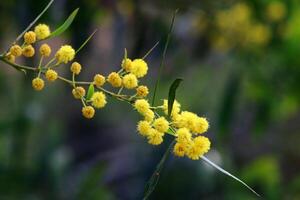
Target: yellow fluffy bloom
[
  {"x": 65, "y": 54},
  {"x": 75, "y": 68},
  {"x": 99, "y": 80},
  {"x": 98, "y": 100},
  {"x": 78, "y": 92},
  {"x": 142, "y": 91},
  {"x": 191, "y": 121},
  {"x": 45, "y": 50},
  {"x": 276, "y": 11},
  {"x": 199, "y": 146},
  {"x": 202, "y": 125},
  {"x": 42, "y": 31},
  {"x": 155, "y": 137},
  {"x": 142, "y": 106},
  {"x": 180, "y": 149},
  {"x": 183, "y": 135},
  {"x": 88, "y": 112},
  {"x": 16, "y": 50},
  {"x": 30, "y": 37},
  {"x": 28, "y": 51},
  {"x": 114, "y": 79},
  {"x": 149, "y": 115},
  {"x": 127, "y": 64},
  {"x": 161, "y": 124},
  {"x": 139, "y": 67},
  {"x": 10, "y": 58},
  {"x": 130, "y": 81},
  {"x": 51, "y": 75},
  {"x": 144, "y": 128},
  {"x": 38, "y": 84},
  {"x": 175, "y": 109}
]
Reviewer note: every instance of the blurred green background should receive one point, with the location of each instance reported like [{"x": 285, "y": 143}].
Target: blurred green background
[{"x": 241, "y": 69}]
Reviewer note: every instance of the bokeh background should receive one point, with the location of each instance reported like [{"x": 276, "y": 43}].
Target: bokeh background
[{"x": 241, "y": 69}]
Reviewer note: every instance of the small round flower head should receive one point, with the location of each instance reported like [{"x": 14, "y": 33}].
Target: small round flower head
[
  {"x": 130, "y": 81},
  {"x": 75, "y": 68},
  {"x": 126, "y": 65},
  {"x": 139, "y": 67},
  {"x": 161, "y": 124},
  {"x": 99, "y": 80},
  {"x": 142, "y": 91},
  {"x": 149, "y": 115},
  {"x": 65, "y": 54},
  {"x": 175, "y": 108},
  {"x": 144, "y": 128},
  {"x": 180, "y": 149},
  {"x": 88, "y": 112},
  {"x": 142, "y": 106},
  {"x": 98, "y": 100},
  {"x": 28, "y": 51},
  {"x": 30, "y": 37},
  {"x": 42, "y": 31},
  {"x": 202, "y": 125},
  {"x": 38, "y": 84},
  {"x": 155, "y": 137},
  {"x": 16, "y": 50},
  {"x": 276, "y": 11},
  {"x": 192, "y": 122},
  {"x": 11, "y": 58},
  {"x": 114, "y": 79},
  {"x": 78, "y": 92},
  {"x": 198, "y": 147},
  {"x": 45, "y": 50},
  {"x": 51, "y": 75},
  {"x": 183, "y": 135}
]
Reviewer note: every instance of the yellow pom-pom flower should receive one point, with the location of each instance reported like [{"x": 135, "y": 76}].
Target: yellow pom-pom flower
[
  {"x": 42, "y": 31},
  {"x": 161, "y": 124},
  {"x": 126, "y": 65},
  {"x": 183, "y": 135},
  {"x": 155, "y": 137},
  {"x": 11, "y": 58},
  {"x": 75, "y": 68},
  {"x": 114, "y": 79},
  {"x": 180, "y": 149},
  {"x": 202, "y": 125},
  {"x": 38, "y": 84},
  {"x": 144, "y": 128},
  {"x": 98, "y": 100},
  {"x": 175, "y": 108},
  {"x": 65, "y": 54},
  {"x": 198, "y": 147},
  {"x": 88, "y": 112},
  {"x": 51, "y": 75},
  {"x": 142, "y": 91},
  {"x": 130, "y": 81},
  {"x": 149, "y": 115},
  {"x": 45, "y": 50},
  {"x": 191, "y": 121},
  {"x": 16, "y": 50},
  {"x": 30, "y": 37},
  {"x": 142, "y": 106},
  {"x": 99, "y": 80},
  {"x": 78, "y": 92},
  {"x": 139, "y": 67},
  {"x": 28, "y": 51}
]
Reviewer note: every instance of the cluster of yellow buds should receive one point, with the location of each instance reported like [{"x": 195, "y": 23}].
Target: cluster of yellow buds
[{"x": 185, "y": 126}]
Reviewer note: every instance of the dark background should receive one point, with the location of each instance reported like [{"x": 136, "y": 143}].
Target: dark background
[{"x": 241, "y": 70}]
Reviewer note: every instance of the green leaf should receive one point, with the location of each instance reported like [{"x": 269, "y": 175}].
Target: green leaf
[
  {"x": 228, "y": 174},
  {"x": 172, "y": 94},
  {"x": 161, "y": 66},
  {"x": 86, "y": 41},
  {"x": 90, "y": 92},
  {"x": 150, "y": 186},
  {"x": 65, "y": 25}
]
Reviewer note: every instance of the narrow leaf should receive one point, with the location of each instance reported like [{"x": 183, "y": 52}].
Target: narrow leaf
[
  {"x": 163, "y": 58},
  {"x": 156, "y": 174},
  {"x": 228, "y": 174},
  {"x": 90, "y": 92},
  {"x": 65, "y": 25},
  {"x": 172, "y": 94},
  {"x": 86, "y": 41}
]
